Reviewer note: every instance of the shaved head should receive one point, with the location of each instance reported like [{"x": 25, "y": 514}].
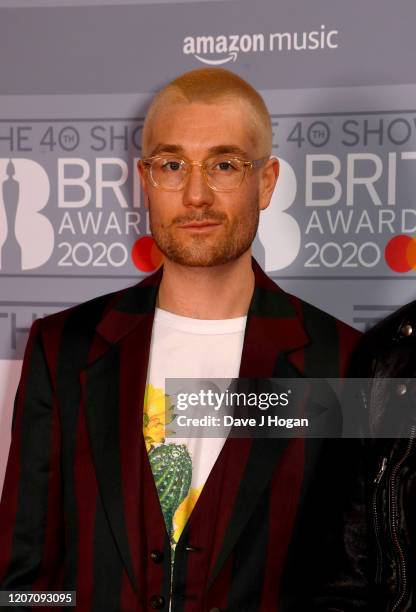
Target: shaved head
[{"x": 210, "y": 86}]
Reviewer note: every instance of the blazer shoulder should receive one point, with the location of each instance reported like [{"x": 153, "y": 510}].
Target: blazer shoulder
[
  {"x": 331, "y": 342},
  {"x": 83, "y": 317},
  {"x": 322, "y": 323}
]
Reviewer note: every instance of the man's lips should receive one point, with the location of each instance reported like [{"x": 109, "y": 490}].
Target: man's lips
[{"x": 199, "y": 224}]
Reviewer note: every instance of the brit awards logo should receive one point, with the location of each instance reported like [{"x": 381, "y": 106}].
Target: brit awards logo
[
  {"x": 26, "y": 235},
  {"x": 278, "y": 239}
]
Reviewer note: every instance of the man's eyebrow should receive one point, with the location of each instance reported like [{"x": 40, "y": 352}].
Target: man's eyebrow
[
  {"x": 220, "y": 149},
  {"x": 166, "y": 148},
  {"x": 217, "y": 150}
]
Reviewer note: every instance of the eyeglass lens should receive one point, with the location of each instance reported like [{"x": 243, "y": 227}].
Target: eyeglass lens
[{"x": 221, "y": 172}]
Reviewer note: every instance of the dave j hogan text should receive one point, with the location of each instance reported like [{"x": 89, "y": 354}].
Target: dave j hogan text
[{"x": 264, "y": 420}]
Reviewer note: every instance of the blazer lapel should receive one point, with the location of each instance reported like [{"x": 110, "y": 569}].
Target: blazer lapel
[
  {"x": 114, "y": 386},
  {"x": 274, "y": 330},
  {"x": 273, "y": 341}
]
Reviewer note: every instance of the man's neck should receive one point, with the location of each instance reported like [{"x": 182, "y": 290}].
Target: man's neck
[{"x": 218, "y": 292}]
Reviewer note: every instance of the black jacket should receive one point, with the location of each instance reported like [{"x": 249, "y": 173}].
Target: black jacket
[{"x": 388, "y": 358}]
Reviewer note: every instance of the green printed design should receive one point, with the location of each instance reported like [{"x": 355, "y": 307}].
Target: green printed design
[{"x": 172, "y": 470}]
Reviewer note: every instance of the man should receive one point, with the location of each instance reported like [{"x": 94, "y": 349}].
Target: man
[{"x": 90, "y": 504}]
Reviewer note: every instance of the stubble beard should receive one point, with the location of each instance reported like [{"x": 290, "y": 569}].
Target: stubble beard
[{"x": 198, "y": 250}]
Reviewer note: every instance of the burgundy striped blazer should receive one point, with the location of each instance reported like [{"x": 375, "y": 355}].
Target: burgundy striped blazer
[{"x": 80, "y": 510}]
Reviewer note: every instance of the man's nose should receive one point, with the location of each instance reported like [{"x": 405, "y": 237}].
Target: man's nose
[{"x": 196, "y": 191}]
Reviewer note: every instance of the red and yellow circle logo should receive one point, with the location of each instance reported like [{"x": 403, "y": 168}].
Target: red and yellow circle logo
[
  {"x": 400, "y": 253},
  {"x": 145, "y": 254}
]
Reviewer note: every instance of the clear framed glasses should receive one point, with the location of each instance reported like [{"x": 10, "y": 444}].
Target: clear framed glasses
[{"x": 221, "y": 172}]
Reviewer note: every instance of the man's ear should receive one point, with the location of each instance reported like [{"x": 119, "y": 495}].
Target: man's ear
[
  {"x": 268, "y": 179},
  {"x": 142, "y": 176}
]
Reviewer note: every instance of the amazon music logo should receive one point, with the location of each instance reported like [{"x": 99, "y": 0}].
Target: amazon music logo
[
  {"x": 221, "y": 49},
  {"x": 26, "y": 235}
]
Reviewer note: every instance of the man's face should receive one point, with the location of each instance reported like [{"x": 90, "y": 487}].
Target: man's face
[{"x": 198, "y": 226}]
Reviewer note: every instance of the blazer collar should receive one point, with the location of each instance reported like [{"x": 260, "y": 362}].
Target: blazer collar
[
  {"x": 274, "y": 329},
  {"x": 273, "y": 320},
  {"x": 129, "y": 308}
]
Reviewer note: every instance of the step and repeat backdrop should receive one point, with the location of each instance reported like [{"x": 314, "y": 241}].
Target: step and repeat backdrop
[{"x": 76, "y": 77}]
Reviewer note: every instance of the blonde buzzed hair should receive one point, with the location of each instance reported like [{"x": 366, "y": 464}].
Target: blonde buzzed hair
[{"x": 208, "y": 86}]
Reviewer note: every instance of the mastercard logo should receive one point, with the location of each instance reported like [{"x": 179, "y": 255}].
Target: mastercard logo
[
  {"x": 145, "y": 254},
  {"x": 400, "y": 253}
]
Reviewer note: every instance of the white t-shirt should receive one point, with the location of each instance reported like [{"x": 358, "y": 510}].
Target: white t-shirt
[{"x": 182, "y": 347}]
